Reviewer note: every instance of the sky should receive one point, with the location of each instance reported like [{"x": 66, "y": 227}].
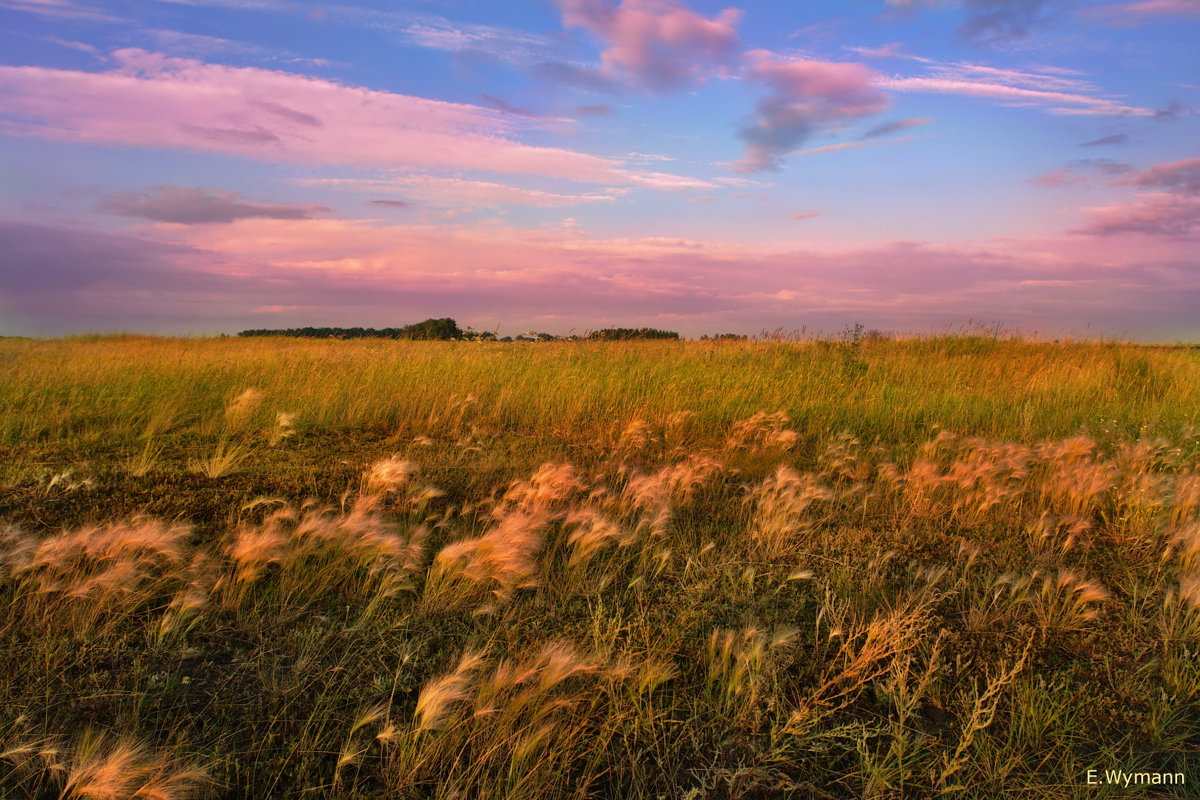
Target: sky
[{"x": 916, "y": 166}]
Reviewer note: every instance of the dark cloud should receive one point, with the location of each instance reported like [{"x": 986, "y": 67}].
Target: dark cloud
[
  {"x": 1005, "y": 20},
  {"x": 391, "y": 203},
  {"x": 256, "y": 135},
  {"x": 1167, "y": 216},
  {"x": 1170, "y": 112},
  {"x": 501, "y": 104},
  {"x": 1116, "y": 138},
  {"x": 804, "y": 94},
  {"x": 1181, "y": 177},
  {"x": 196, "y": 207},
  {"x": 888, "y": 128},
  {"x": 288, "y": 113},
  {"x": 594, "y": 110}
]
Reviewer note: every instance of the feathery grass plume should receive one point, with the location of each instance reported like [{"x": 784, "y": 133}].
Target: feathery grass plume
[
  {"x": 35, "y": 763},
  {"x": 1054, "y": 534},
  {"x": 240, "y": 409},
  {"x": 391, "y": 479},
  {"x": 200, "y": 578},
  {"x": 66, "y": 482},
  {"x": 104, "y": 767},
  {"x": 1065, "y": 602},
  {"x": 762, "y": 431},
  {"x": 590, "y": 532},
  {"x": 388, "y": 475},
  {"x": 549, "y": 489},
  {"x": 470, "y": 571},
  {"x": 637, "y": 437},
  {"x": 843, "y": 462},
  {"x": 102, "y": 572},
  {"x": 225, "y": 459},
  {"x": 354, "y": 748},
  {"x": 284, "y": 427},
  {"x": 448, "y": 417},
  {"x": 782, "y": 504},
  {"x": 530, "y": 727},
  {"x": 677, "y": 427},
  {"x": 1074, "y": 482},
  {"x": 317, "y": 551},
  {"x": 1185, "y": 499},
  {"x": 1183, "y": 544},
  {"x": 672, "y": 485}
]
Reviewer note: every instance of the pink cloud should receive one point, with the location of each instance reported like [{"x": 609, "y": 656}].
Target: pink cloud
[
  {"x": 150, "y": 100},
  {"x": 1178, "y": 176},
  {"x": 658, "y": 44},
  {"x": 803, "y": 95},
  {"x": 327, "y": 271},
  {"x": 1164, "y": 215}
]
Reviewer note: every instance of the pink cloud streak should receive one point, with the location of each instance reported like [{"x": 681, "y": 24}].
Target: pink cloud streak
[
  {"x": 1060, "y": 102},
  {"x": 153, "y": 101}
]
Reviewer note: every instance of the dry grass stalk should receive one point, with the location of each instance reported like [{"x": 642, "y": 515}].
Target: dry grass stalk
[
  {"x": 782, "y": 506},
  {"x": 317, "y": 549},
  {"x": 103, "y": 572},
  {"x": 550, "y": 489},
  {"x": 494, "y": 565},
  {"x": 99, "y": 766},
  {"x": 762, "y": 431}
]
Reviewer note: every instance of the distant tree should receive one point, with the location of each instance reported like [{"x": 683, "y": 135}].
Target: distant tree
[
  {"x": 442, "y": 329},
  {"x": 736, "y": 337},
  {"x": 624, "y": 334}
]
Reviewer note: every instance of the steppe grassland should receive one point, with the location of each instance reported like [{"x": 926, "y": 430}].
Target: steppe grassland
[{"x": 950, "y": 566}]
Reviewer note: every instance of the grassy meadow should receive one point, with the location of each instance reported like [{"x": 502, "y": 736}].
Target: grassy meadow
[{"x": 960, "y": 566}]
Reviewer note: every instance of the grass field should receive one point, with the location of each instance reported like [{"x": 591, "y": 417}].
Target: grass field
[{"x": 959, "y": 566}]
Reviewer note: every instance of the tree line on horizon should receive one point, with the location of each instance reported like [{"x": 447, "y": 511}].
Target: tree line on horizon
[{"x": 446, "y": 329}]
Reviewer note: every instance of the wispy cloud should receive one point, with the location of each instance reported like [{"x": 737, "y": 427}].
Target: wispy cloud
[
  {"x": 1052, "y": 101},
  {"x": 187, "y": 206},
  {"x": 1116, "y": 138},
  {"x": 888, "y": 128},
  {"x": 62, "y": 9},
  {"x": 437, "y": 190},
  {"x": 1144, "y": 11},
  {"x": 150, "y": 100}
]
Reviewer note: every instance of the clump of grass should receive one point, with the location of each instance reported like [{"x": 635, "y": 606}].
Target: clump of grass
[
  {"x": 517, "y": 727},
  {"x": 782, "y": 506},
  {"x": 100, "y": 766},
  {"x": 315, "y": 552},
  {"x": 225, "y": 460},
  {"x": 148, "y": 459},
  {"x": 484, "y": 571},
  {"x": 81, "y": 578}
]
